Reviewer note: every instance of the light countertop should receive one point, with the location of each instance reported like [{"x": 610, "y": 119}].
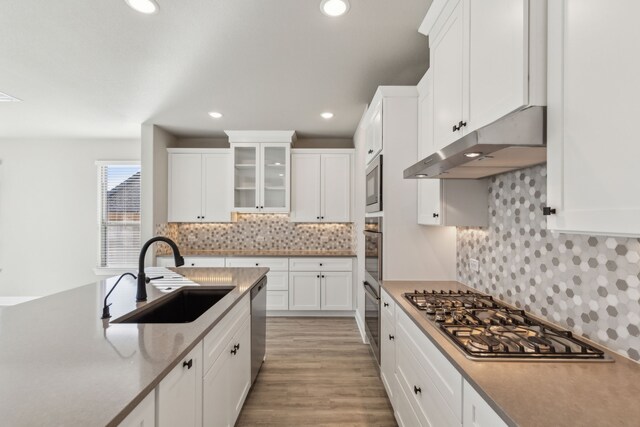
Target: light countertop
[
  {"x": 60, "y": 364},
  {"x": 262, "y": 253},
  {"x": 538, "y": 393}
]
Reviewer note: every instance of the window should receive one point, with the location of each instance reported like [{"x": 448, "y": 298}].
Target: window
[{"x": 119, "y": 214}]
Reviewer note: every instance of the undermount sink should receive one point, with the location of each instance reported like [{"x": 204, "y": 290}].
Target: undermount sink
[{"x": 181, "y": 306}]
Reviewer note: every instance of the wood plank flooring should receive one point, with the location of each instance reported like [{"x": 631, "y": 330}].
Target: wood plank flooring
[{"x": 317, "y": 373}]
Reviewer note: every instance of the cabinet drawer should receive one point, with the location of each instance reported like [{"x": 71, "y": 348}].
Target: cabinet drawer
[
  {"x": 405, "y": 415},
  {"x": 444, "y": 376},
  {"x": 198, "y": 261},
  {"x": 430, "y": 406},
  {"x": 320, "y": 264},
  {"x": 275, "y": 264},
  {"x": 277, "y": 300},
  {"x": 388, "y": 306},
  {"x": 277, "y": 281},
  {"x": 216, "y": 340}
]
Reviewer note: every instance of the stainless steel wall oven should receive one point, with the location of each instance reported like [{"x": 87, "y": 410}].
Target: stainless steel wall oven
[{"x": 372, "y": 281}]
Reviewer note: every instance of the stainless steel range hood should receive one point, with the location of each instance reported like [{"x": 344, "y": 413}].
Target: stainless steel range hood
[{"x": 517, "y": 140}]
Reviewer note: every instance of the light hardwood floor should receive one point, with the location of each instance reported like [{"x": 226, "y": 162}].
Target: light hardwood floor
[{"x": 317, "y": 373}]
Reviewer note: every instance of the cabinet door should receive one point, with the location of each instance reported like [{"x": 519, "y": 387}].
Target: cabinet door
[
  {"x": 477, "y": 412},
  {"x": 447, "y": 59},
  {"x": 336, "y": 291},
  {"x": 388, "y": 356},
  {"x": 144, "y": 415},
  {"x": 305, "y": 188},
  {"x": 374, "y": 133},
  {"x": 185, "y": 187},
  {"x": 246, "y": 196},
  {"x": 216, "y": 410},
  {"x": 335, "y": 187},
  {"x": 498, "y": 59},
  {"x": 179, "y": 397},
  {"x": 240, "y": 370},
  {"x": 216, "y": 194},
  {"x": 277, "y": 300},
  {"x": 304, "y": 290},
  {"x": 429, "y": 199},
  {"x": 274, "y": 178},
  {"x": 592, "y": 161}
]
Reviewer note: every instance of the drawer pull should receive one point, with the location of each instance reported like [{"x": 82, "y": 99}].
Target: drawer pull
[
  {"x": 386, "y": 304},
  {"x": 234, "y": 351},
  {"x": 392, "y": 337},
  {"x": 417, "y": 389},
  {"x": 188, "y": 364}
]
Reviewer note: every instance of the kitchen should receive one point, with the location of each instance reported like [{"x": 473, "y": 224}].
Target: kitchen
[{"x": 452, "y": 246}]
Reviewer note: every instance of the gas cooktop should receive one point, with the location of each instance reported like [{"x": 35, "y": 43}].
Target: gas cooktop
[{"x": 486, "y": 329}]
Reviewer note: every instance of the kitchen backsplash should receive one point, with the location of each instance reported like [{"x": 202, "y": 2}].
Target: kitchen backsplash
[
  {"x": 588, "y": 284},
  {"x": 258, "y": 232}
]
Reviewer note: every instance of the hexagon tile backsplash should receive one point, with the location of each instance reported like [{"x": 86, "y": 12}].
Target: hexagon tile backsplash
[{"x": 588, "y": 284}]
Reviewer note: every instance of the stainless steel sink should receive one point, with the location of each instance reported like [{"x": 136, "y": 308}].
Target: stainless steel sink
[{"x": 181, "y": 306}]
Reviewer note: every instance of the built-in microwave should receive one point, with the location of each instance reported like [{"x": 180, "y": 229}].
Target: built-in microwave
[{"x": 374, "y": 185}]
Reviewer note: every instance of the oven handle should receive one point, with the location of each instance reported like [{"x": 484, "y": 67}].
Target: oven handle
[{"x": 371, "y": 292}]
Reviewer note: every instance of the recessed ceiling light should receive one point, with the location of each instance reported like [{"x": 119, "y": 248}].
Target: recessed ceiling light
[
  {"x": 334, "y": 7},
  {"x": 421, "y": 175},
  {"x": 8, "y": 98},
  {"x": 148, "y": 7},
  {"x": 472, "y": 155},
  {"x": 215, "y": 114},
  {"x": 327, "y": 115}
]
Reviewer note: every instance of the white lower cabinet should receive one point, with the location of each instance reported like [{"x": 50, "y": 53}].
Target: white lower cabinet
[
  {"x": 277, "y": 300},
  {"x": 477, "y": 412},
  {"x": 277, "y": 278},
  {"x": 424, "y": 388},
  {"x": 304, "y": 290},
  {"x": 179, "y": 394},
  {"x": 226, "y": 384},
  {"x": 320, "y": 290},
  {"x": 144, "y": 415}
]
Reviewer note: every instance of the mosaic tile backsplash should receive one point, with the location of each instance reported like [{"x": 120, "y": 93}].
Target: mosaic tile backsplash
[
  {"x": 588, "y": 284},
  {"x": 258, "y": 232}
]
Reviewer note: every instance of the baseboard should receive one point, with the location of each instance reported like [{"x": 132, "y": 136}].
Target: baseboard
[
  {"x": 312, "y": 313},
  {"x": 363, "y": 333}
]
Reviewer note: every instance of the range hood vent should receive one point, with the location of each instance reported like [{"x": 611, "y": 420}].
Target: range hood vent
[{"x": 516, "y": 141}]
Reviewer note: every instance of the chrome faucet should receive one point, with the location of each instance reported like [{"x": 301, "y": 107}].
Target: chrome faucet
[{"x": 141, "y": 294}]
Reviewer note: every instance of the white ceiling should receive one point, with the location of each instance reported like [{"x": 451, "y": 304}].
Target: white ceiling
[{"x": 96, "y": 68}]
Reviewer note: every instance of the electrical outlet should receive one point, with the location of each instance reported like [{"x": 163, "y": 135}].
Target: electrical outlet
[{"x": 475, "y": 265}]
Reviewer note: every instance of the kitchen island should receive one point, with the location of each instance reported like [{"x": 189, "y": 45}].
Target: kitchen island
[
  {"x": 60, "y": 364},
  {"x": 545, "y": 393}
]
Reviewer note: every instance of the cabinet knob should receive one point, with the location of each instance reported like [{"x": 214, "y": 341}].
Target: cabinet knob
[
  {"x": 317, "y": 217},
  {"x": 417, "y": 389},
  {"x": 321, "y": 217},
  {"x": 318, "y": 276},
  {"x": 546, "y": 211},
  {"x": 461, "y": 124},
  {"x": 386, "y": 304},
  {"x": 257, "y": 207},
  {"x": 455, "y": 128},
  {"x": 257, "y": 264},
  {"x": 236, "y": 346},
  {"x": 435, "y": 215},
  {"x": 370, "y": 151},
  {"x": 320, "y": 264},
  {"x": 188, "y": 364},
  {"x": 392, "y": 337},
  {"x": 261, "y": 207},
  {"x": 234, "y": 351},
  {"x": 193, "y": 264},
  {"x": 322, "y": 275}
]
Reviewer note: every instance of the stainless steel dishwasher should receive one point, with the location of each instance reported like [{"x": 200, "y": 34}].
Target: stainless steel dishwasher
[{"x": 258, "y": 326}]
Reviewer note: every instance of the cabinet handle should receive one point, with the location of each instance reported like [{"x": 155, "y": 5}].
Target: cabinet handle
[
  {"x": 462, "y": 124},
  {"x": 417, "y": 389},
  {"x": 188, "y": 364},
  {"x": 237, "y": 346},
  {"x": 370, "y": 151},
  {"x": 455, "y": 128},
  {"x": 386, "y": 304},
  {"x": 234, "y": 351},
  {"x": 435, "y": 215},
  {"x": 392, "y": 337},
  {"x": 546, "y": 211}
]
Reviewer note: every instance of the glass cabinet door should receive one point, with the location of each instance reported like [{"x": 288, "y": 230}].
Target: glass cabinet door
[
  {"x": 275, "y": 171},
  {"x": 245, "y": 195}
]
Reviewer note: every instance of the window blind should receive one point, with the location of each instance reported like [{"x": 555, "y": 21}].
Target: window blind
[{"x": 119, "y": 214}]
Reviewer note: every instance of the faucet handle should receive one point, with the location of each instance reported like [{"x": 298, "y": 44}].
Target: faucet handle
[{"x": 149, "y": 279}]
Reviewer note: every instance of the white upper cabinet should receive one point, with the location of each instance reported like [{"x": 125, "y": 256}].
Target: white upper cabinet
[
  {"x": 450, "y": 202},
  {"x": 488, "y": 59},
  {"x": 592, "y": 155},
  {"x": 321, "y": 186},
  {"x": 199, "y": 189},
  {"x": 374, "y": 132},
  {"x": 261, "y": 170},
  {"x": 447, "y": 64}
]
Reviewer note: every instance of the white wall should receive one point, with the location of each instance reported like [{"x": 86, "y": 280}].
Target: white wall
[{"x": 48, "y": 212}]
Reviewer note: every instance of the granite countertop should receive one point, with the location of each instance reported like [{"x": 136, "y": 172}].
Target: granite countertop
[
  {"x": 262, "y": 253},
  {"x": 60, "y": 364},
  {"x": 538, "y": 393}
]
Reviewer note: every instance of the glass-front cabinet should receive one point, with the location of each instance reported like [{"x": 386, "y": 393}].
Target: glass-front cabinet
[{"x": 261, "y": 177}]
